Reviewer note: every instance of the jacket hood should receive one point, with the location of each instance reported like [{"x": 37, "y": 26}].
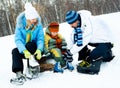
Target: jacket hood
[
  {"x": 47, "y": 31},
  {"x": 21, "y": 20}
]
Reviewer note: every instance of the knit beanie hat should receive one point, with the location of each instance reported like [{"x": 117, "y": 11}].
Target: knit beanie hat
[
  {"x": 30, "y": 11},
  {"x": 53, "y": 27},
  {"x": 71, "y": 17}
]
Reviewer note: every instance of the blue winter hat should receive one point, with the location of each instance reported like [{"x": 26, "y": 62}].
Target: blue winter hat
[{"x": 71, "y": 16}]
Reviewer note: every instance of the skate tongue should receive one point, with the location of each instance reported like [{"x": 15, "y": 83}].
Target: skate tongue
[{"x": 33, "y": 62}]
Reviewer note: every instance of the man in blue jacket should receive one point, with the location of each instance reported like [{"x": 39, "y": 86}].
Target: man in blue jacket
[{"x": 29, "y": 39}]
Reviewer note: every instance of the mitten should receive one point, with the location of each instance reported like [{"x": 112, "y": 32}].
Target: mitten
[
  {"x": 38, "y": 54},
  {"x": 27, "y": 54}
]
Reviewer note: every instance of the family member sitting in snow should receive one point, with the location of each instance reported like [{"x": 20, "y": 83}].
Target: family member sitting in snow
[
  {"x": 89, "y": 30},
  {"x": 29, "y": 39},
  {"x": 56, "y": 46}
]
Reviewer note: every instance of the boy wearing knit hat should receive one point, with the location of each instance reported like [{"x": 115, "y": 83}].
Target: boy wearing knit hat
[
  {"x": 89, "y": 31},
  {"x": 56, "y": 45},
  {"x": 29, "y": 39}
]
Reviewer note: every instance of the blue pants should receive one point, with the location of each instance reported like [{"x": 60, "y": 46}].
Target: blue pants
[
  {"x": 101, "y": 50},
  {"x": 17, "y": 62}
]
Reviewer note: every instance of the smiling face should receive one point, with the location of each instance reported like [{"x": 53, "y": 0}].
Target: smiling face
[
  {"x": 54, "y": 33},
  {"x": 33, "y": 21}
]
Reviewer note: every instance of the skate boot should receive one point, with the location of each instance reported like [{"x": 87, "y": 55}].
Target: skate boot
[
  {"x": 19, "y": 80},
  {"x": 57, "y": 68},
  {"x": 33, "y": 69},
  {"x": 32, "y": 72},
  {"x": 69, "y": 66}
]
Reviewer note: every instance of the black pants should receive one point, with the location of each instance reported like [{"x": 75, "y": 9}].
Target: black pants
[
  {"x": 17, "y": 62},
  {"x": 101, "y": 50}
]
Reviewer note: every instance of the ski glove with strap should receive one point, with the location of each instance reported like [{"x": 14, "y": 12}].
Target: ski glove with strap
[
  {"x": 27, "y": 54},
  {"x": 37, "y": 54}
]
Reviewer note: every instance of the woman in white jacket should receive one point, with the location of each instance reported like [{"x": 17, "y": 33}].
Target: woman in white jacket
[{"x": 89, "y": 30}]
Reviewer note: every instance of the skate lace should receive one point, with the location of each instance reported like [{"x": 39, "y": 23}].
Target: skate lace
[{"x": 34, "y": 71}]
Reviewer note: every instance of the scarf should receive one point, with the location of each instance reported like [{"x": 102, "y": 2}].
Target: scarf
[
  {"x": 29, "y": 30},
  {"x": 78, "y": 35},
  {"x": 58, "y": 41}
]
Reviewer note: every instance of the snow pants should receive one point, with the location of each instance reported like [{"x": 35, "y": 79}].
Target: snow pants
[
  {"x": 56, "y": 54},
  {"x": 17, "y": 58},
  {"x": 101, "y": 50}
]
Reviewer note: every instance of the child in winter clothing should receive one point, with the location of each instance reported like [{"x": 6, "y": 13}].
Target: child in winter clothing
[
  {"x": 56, "y": 45},
  {"x": 29, "y": 39}
]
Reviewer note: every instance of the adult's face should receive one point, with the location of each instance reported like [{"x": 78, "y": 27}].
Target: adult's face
[
  {"x": 75, "y": 24},
  {"x": 33, "y": 21}
]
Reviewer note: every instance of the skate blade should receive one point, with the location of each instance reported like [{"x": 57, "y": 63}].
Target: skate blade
[{"x": 16, "y": 83}]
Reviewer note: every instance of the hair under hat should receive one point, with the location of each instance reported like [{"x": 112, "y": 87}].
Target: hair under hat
[
  {"x": 30, "y": 11},
  {"x": 71, "y": 16},
  {"x": 53, "y": 27},
  {"x": 53, "y": 24}
]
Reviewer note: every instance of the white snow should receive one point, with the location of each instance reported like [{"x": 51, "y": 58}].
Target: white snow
[{"x": 108, "y": 77}]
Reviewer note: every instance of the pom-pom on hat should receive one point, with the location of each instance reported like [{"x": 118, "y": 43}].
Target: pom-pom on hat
[
  {"x": 71, "y": 16},
  {"x": 53, "y": 27},
  {"x": 30, "y": 11}
]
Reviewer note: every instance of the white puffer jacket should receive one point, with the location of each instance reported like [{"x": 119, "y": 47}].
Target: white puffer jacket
[{"x": 94, "y": 31}]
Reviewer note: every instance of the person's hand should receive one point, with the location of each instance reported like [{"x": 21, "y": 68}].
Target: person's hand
[
  {"x": 47, "y": 54},
  {"x": 38, "y": 54},
  {"x": 68, "y": 56},
  {"x": 27, "y": 54}
]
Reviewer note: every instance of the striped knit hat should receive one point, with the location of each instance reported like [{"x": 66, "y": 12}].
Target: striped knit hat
[{"x": 71, "y": 16}]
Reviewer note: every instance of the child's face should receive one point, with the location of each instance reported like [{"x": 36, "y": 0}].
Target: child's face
[{"x": 54, "y": 33}]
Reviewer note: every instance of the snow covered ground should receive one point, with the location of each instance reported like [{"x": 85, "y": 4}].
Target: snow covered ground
[{"x": 108, "y": 77}]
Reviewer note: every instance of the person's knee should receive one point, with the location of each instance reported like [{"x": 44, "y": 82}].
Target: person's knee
[
  {"x": 15, "y": 50},
  {"x": 56, "y": 52}
]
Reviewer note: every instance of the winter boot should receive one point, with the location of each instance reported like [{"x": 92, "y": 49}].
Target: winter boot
[
  {"x": 69, "y": 66},
  {"x": 84, "y": 64},
  {"x": 91, "y": 68},
  {"x": 57, "y": 67},
  {"x": 19, "y": 80}
]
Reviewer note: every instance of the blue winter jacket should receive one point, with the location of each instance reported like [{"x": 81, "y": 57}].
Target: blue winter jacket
[{"x": 20, "y": 34}]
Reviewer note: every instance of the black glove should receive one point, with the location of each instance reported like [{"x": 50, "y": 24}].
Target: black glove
[
  {"x": 64, "y": 48},
  {"x": 68, "y": 56}
]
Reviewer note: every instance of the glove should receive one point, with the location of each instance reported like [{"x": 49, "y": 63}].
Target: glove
[
  {"x": 47, "y": 54},
  {"x": 27, "y": 54},
  {"x": 64, "y": 57},
  {"x": 69, "y": 55},
  {"x": 38, "y": 54}
]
